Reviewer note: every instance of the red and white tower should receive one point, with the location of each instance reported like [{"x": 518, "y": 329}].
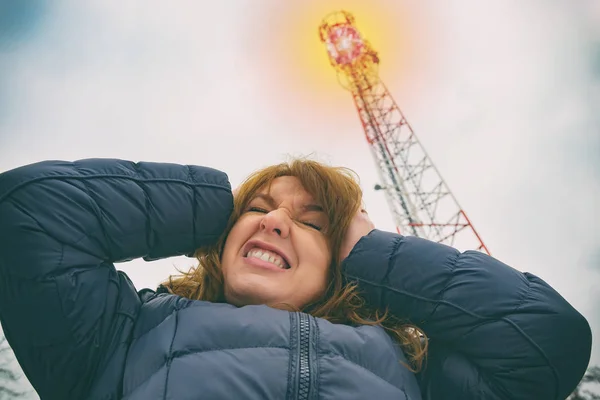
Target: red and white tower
[{"x": 420, "y": 201}]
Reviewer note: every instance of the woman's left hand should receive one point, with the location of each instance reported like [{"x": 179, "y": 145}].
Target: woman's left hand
[{"x": 360, "y": 226}]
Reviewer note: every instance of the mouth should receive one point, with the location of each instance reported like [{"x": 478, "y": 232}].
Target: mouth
[{"x": 267, "y": 253}]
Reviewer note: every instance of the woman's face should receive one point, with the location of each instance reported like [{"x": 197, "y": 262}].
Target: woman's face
[{"x": 277, "y": 251}]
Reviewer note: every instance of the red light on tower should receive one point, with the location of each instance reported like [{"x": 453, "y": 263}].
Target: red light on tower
[{"x": 344, "y": 44}]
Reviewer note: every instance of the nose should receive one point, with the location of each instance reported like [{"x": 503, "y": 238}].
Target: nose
[{"x": 278, "y": 222}]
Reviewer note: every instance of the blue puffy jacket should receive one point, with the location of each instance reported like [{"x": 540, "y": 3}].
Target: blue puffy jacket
[{"x": 80, "y": 330}]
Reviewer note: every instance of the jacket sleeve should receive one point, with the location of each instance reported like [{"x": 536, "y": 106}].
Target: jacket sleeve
[
  {"x": 64, "y": 308},
  {"x": 494, "y": 332}
]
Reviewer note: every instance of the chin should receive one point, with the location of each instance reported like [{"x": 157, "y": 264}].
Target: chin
[{"x": 248, "y": 294}]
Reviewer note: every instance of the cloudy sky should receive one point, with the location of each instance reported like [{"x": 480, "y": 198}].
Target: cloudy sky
[{"x": 503, "y": 94}]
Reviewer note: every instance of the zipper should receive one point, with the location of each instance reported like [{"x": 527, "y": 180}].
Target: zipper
[
  {"x": 303, "y": 373},
  {"x": 303, "y": 357}
]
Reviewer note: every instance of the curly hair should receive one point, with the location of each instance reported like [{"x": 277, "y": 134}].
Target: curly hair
[{"x": 337, "y": 190}]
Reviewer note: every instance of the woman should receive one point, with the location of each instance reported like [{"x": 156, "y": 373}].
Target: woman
[{"x": 293, "y": 239}]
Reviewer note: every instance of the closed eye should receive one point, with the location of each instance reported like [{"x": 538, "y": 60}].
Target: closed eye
[
  {"x": 257, "y": 209},
  {"x": 317, "y": 227}
]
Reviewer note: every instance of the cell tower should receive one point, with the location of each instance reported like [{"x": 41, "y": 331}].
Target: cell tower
[{"x": 420, "y": 201}]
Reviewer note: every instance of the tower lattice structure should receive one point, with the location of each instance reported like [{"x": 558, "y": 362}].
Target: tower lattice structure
[{"x": 420, "y": 201}]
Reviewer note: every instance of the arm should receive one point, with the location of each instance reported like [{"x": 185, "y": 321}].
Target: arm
[
  {"x": 63, "y": 306},
  {"x": 495, "y": 333}
]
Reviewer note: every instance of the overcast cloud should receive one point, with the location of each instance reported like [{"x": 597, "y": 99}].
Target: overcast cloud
[{"x": 504, "y": 95}]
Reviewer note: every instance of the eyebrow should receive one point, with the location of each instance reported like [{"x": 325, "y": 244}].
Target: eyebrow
[{"x": 271, "y": 202}]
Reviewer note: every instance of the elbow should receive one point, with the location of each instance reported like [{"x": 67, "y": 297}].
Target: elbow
[
  {"x": 560, "y": 332},
  {"x": 575, "y": 356},
  {"x": 567, "y": 343}
]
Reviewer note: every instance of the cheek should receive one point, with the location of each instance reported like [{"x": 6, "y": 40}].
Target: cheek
[
  {"x": 320, "y": 258},
  {"x": 325, "y": 249},
  {"x": 233, "y": 244}
]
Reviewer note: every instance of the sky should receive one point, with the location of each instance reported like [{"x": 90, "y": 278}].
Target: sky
[{"x": 504, "y": 95}]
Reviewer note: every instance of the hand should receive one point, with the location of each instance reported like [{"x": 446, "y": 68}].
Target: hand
[{"x": 360, "y": 226}]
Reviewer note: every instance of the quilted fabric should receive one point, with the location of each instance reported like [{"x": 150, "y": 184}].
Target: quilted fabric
[{"x": 80, "y": 330}]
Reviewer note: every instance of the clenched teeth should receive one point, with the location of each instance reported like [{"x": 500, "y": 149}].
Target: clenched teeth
[{"x": 268, "y": 256}]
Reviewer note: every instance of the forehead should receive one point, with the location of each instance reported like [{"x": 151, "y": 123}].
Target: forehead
[
  {"x": 289, "y": 189},
  {"x": 285, "y": 186},
  {"x": 286, "y": 189}
]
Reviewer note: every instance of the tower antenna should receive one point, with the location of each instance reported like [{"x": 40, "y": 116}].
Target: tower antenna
[{"x": 420, "y": 201}]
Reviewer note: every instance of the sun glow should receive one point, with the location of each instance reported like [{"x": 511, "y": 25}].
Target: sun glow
[{"x": 292, "y": 59}]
